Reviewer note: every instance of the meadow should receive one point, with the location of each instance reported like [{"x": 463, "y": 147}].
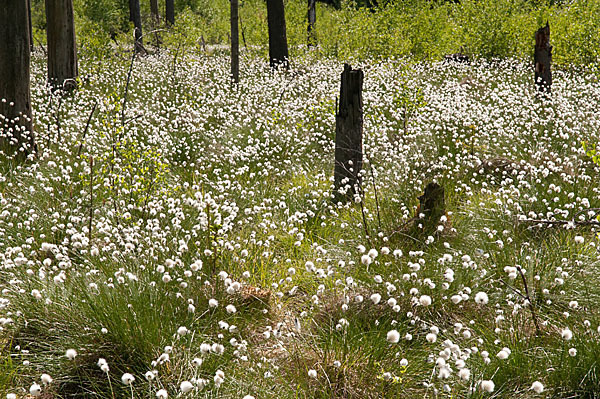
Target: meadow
[{"x": 178, "y": 235}]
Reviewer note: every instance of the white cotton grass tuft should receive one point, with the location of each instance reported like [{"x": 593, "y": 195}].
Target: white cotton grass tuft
[
  {"x": 162, "y": 394},
  {"x": 248, "y": 397},
  {"x": 502, "y": 355},
  {"x": 312, "y": 373},
  {"x": 127, "y": 379},
  {"x": 537, "y": 387},
  {"x": 181, "y": 331},
  {"x": 425, "y": 300},
  {"x": 393, "y": 336},
  {"x": 35, "y": 390},
  {"x": 71, "y": 354},
  {"x": 487, "y": 386},
  {"x": 375, "y": 298},
  {"x": 46, "y": 379},
  {"x": 186, "y": 386},
  {"x": 481, "y": 298},
  {"x": 566, "y": 334}
]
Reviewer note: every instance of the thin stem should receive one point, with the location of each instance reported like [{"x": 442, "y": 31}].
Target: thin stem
[
  {"x": 87, "y": 126},
  {"x": 91, "y": 199},
  {"x": 528, "y": 298}
]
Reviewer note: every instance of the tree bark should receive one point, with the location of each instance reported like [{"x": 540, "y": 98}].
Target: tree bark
[
  {"x": 312, "y": 20},
  {"x": 170, "y": 12},
  {"x": 543, "y": 59},
  {"x": 31, "y": 45},
  {"x": 278, "y": 48},
  {"x": 16, "y": 128},
  {"x": 348, "y": 134},
  {"x": 235, "y": 41},
  {"x": 62, "y": 48},
  {"x": 154, "y": 10},
  {"x": 134, "y": 10}
]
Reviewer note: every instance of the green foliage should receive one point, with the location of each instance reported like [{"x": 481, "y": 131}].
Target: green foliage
[{"x": 367, "y": 29}]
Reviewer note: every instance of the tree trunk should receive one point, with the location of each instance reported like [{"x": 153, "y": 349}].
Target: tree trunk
[
  {"x": 235, "y": 42},
  {"x": 170, "y": 12},
  {"x": 31, "y": 45},
  {"x": 134, "y": 10},
  {"x": 543, "y": 59},
  {"x": 278, "y": 48},
  {"x": 62, "y": 48},
  {"x": 16, "y": 128},
  {"x": 154, "y": 11},
  {"x": 312, "y": 20},
  {"x": 131, "y": 8},
  {"x": 348, "y": 134}
]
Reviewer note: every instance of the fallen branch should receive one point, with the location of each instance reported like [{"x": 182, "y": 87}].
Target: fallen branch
[{"x": 590, "y": 221}]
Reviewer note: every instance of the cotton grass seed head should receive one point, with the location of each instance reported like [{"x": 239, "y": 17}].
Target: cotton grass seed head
[
  {"x": 186, "y": 386},
  {"x": 35, "y": 390},
  {"x": 127, "y": 379},
  {"x": 393, "y": 336},
  {"x": 481, "y": 298},
  {"x": 487, "y": 386},
  {"x": 537, "y": 387},
  {"x": 425, "y": 300}
]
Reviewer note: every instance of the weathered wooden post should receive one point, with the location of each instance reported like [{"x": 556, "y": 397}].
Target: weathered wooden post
[
  {"x": 16, "y": 128},
  {"x": 235, "y": 41},
  {"x": 62, "y": 47},
  {"x": 348, "y": 134},
  {"x": 312, "y": 20},
  {"x": 543, "y": 59},
  {"x": 278, "y": 48}
]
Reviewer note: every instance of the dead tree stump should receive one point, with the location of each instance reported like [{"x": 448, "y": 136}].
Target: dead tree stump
[
  {"x": 312, "y": 20},
  {"x": 432, "y": 206},
  {"x": 348, "y": 134},
  {"x": 543, "y": 59},
  {"x": 278, "y": 48}
]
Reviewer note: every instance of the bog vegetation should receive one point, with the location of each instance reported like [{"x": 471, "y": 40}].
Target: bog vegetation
[{"x": 177, "y": 235}]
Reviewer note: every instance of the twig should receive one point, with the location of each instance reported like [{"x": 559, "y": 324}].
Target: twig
[
  {"x": 375, "y": 191},
  {"x": 91, "y": 200},
  {"x": 243, "y": 32},
  {"x": 87, "y": 125},
  {"x": 516, "y": 291},
  {"x": 528, "y": 298},
  {"x": 362, "y": 211},
  {"x": 58, "y": 117},
  {"x": 127, "y": 87}
]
